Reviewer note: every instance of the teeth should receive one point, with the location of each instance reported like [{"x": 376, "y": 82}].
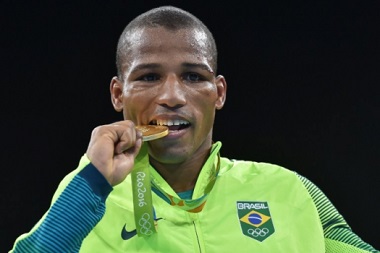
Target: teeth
[{"x": 176, "y": 122}]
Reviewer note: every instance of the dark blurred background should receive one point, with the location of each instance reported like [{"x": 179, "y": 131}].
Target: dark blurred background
[{"x": 303, "y": 92}]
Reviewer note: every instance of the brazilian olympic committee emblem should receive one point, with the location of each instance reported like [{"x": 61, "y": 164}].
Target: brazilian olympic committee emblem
[{"x": 255, "y": 219}]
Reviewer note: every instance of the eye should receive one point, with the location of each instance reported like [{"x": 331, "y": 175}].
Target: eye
[
  {"x": 149, "y": 78},
  {"x": 193, "y": 77}
]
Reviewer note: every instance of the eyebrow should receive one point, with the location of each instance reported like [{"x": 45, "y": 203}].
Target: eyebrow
[
  {"x": 145, "y": 66},
  {"x": 197, "y": 65},
  {"x": 186, "y": 65}
]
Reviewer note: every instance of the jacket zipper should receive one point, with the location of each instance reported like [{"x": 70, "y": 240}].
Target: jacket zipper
[{"x": 196, "y": 234}]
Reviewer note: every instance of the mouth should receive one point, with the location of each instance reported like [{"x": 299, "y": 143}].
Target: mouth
[{"x": 173, "y": 125}]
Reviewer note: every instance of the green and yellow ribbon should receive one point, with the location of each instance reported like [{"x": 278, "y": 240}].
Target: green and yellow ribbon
[{"x": 143, "y": 184}]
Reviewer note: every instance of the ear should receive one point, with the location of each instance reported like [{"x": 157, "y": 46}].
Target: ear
[
  {"x": 221, "y": 86},
  {"x": 116, "y": 89}
]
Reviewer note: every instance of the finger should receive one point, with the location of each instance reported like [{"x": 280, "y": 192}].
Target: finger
[
  {"x": 136, "y": 148},
  {"x": 126, "y": 140}
]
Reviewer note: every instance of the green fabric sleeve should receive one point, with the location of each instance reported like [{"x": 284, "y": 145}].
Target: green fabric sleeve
[
  {"x": 78, "y": 207},
  {"x": 339, "y": 236}
]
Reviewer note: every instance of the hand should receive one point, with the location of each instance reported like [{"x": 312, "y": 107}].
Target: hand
[{"x": 113, "y": 148}]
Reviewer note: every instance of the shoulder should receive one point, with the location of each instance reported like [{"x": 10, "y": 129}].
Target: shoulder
[
  {"x": 252, "y": 167},
  {"x": 69, "y": 177},
  {"x": 259, "y": 173}
]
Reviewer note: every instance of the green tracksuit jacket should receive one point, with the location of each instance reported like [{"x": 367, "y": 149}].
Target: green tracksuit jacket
[{"x": 253, "y": 207}]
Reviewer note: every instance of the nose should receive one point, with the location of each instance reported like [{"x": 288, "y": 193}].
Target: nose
[{"x": 172, "y": 92}]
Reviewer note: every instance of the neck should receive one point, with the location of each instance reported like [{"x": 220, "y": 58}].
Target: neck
[{"x": 182, "y": 177}]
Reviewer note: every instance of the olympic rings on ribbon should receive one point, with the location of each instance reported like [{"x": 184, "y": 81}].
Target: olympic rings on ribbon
[{"x": 145, "y": 225}]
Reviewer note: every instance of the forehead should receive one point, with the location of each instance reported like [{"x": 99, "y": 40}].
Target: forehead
[{"x": 159, "y": 40}]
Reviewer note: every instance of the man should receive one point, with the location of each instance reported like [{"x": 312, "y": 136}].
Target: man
[{"x": 200, "y": 201}]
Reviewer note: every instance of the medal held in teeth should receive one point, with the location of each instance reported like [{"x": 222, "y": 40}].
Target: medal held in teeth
[{"x": 153, "y": 132}]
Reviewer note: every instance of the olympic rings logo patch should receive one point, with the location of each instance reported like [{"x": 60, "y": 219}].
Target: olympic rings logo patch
[
  {"x": 258, "y": 232},
  {"x": 255, "y": 219}
]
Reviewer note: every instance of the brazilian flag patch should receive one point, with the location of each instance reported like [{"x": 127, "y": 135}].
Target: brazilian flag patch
[{"x": 255, "y": 219}]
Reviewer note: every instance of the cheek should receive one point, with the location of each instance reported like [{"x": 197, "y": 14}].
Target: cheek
[
  {"x": 208, "y": 96},
  {"x": 133, "y": 106},
  {"x": 206, "y": 106},
  {"x": 205, "y": 121}
]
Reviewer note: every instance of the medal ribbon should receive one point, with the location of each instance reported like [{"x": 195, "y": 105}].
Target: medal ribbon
[
  {"x": 142, "y": 195},
  {"x": 142, "y": 184},
  {"x": 191, "y": 205}
]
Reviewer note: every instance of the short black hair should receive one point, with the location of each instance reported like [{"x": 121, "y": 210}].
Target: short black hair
[{"x": 170, "y": 17}]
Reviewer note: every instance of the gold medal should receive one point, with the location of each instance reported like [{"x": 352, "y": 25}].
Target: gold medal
[{"x": 152, "y": 132}]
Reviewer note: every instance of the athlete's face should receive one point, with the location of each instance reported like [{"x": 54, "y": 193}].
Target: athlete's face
[{"x": 168, "y": 80}]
